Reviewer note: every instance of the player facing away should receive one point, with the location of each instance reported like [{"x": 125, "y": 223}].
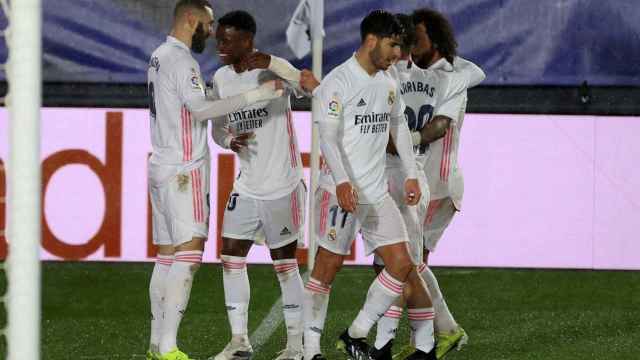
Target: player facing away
[
  {"x": 361, "y": 109},
  {"x": 179, "y": 167},
  {"x": 268, "y": 198},
  {"x": 430, "y": 95},
  {"x": 436, "y": 49}
]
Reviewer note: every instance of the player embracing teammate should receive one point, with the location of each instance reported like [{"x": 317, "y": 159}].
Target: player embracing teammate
[{"x": 390, "y": 128}]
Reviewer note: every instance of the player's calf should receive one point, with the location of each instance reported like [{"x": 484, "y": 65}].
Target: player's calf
[
  {"x": 178, "y": 290},
  {"x": 157, "y": 287},
  {"x": 316, "y": 300},
  {"x": 291, "y": 286}
]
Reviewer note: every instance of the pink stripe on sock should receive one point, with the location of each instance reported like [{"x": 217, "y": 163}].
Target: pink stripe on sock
[
  {"x": 421, "y": 314},
  {"x": 315, "y": 287},
  {"x": 393, "y": 314},
  {"x": 231, "y": 265},
  {"x": 285, "y": 268},
  {"x": 389, "y": 282}
]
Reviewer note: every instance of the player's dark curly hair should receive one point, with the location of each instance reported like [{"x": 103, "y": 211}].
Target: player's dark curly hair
[
  {"x": 380, "y": 23},
  {"x": 439, "y": 30},
  {"x": 409, "y": 32},
  {"x": 190, "y": 4},
  {"x": 239, "y": 20}
]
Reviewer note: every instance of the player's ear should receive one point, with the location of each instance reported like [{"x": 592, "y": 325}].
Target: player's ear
[
  {"x": 370, "y": 41},
  {"x": 192, "y": 20}
]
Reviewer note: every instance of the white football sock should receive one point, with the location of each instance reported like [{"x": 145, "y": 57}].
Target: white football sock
[
  {"x": 156, "y": 296},
  {"x": 444, "y": 321},
  {"x": 421, "y": 323},
  {"x": 236, "y": 293},
  {"x": 291, "y": 287},
  {"x": 177, "y": 292},
  {"x": 387, "y": 326},
  {"x": 383, "y": 292},
  {"x": 316, "y": 302}
]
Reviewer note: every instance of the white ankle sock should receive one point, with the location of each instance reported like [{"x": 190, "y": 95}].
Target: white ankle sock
[
  {"x": 291, "y": 288},
  {"x": 236, "y": 293},
  {"x": 421, "y": 323},
  {"x": 387, "y": 326},
  {"x": 383, "y": 292},
  {"x": 316, "y": 302},
  {"x": 156, "y": 297},
  {"x": 444, "y": 321},
  {"x": 177, "y": 292}
]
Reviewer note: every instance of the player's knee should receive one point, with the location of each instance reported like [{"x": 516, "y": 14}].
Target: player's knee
[
  {"x": 234, "y": 247},
  {"x": 336, "y": 263},
  {"x": 400, "y": 269},
  {"x": 286, "y": 252},
  {"x": 327, "y": 265}
]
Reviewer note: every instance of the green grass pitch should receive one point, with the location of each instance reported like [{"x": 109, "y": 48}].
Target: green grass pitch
[{"x": 101, "y": 311}]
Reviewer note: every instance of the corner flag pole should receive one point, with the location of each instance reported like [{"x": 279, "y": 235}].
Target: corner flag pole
[
  {"x": 24, "y": 179},
  {"x": 317, "y": 26}
]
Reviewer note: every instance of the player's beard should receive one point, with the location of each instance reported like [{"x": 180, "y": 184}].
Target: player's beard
[{"x": 199, "y": 39}]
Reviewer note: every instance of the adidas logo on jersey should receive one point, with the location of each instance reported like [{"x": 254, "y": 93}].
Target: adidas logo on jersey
[
  {"x": 285, "y": 231},
  {"x": 361, "y": 102}
]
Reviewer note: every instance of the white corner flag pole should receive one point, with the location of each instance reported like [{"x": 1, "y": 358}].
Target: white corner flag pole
[
  {"x": 24, "y": 179},
  {"x": 317, "y": 26}
]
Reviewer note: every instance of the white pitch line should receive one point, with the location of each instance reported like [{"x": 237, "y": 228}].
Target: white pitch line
[{"x": 269, "y": 324}]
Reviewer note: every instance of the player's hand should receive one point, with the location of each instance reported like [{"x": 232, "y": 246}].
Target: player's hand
[
  {"x": 240, "y": 142},
  {"x": 308, "y": 82},
  {"x": 412, "y": 192},
  {"x": 258, "y": 60},
  {"x": 347, "y": 196}
]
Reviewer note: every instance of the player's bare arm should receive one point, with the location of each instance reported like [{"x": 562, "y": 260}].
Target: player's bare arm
[{"x": 435, "y": 129}]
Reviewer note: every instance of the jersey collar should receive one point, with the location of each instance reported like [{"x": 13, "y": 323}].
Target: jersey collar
[
  {"x": 441, "y": 64},
  {"x": 178, "y": 43},
  {"x": 359, "y": 70}
]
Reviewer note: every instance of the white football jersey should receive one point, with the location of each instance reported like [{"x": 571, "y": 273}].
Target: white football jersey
[
  {"x": 271, "y": 165},
  {"x": 364, "y": 105},
  {"x": 441, "y": 159},
  {"x": 175, "y": 88}
]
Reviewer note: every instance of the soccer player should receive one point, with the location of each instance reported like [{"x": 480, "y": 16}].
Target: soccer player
[
  {"x": 431, "y": 95},
  {"x": 436, "y": 48},
  {"x": 179, "y": 167},
  {"x": 362, "y": 108},
  {"x": 269, "y": 195}
]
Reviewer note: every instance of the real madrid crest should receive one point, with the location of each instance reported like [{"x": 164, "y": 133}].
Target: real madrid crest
[
  {"x": 332, "y": 234},
  {"x": 392, "y": 97}
]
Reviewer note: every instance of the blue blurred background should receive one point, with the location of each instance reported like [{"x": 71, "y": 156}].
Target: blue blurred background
[{"x": 517, "y": 42}]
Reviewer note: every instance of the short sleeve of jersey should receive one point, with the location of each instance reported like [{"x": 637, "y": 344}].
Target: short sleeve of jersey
[
  {"x": 456, "y": 83},
  {"x": 332, "y": 100},
  {"x": 452, "y": 107}
]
